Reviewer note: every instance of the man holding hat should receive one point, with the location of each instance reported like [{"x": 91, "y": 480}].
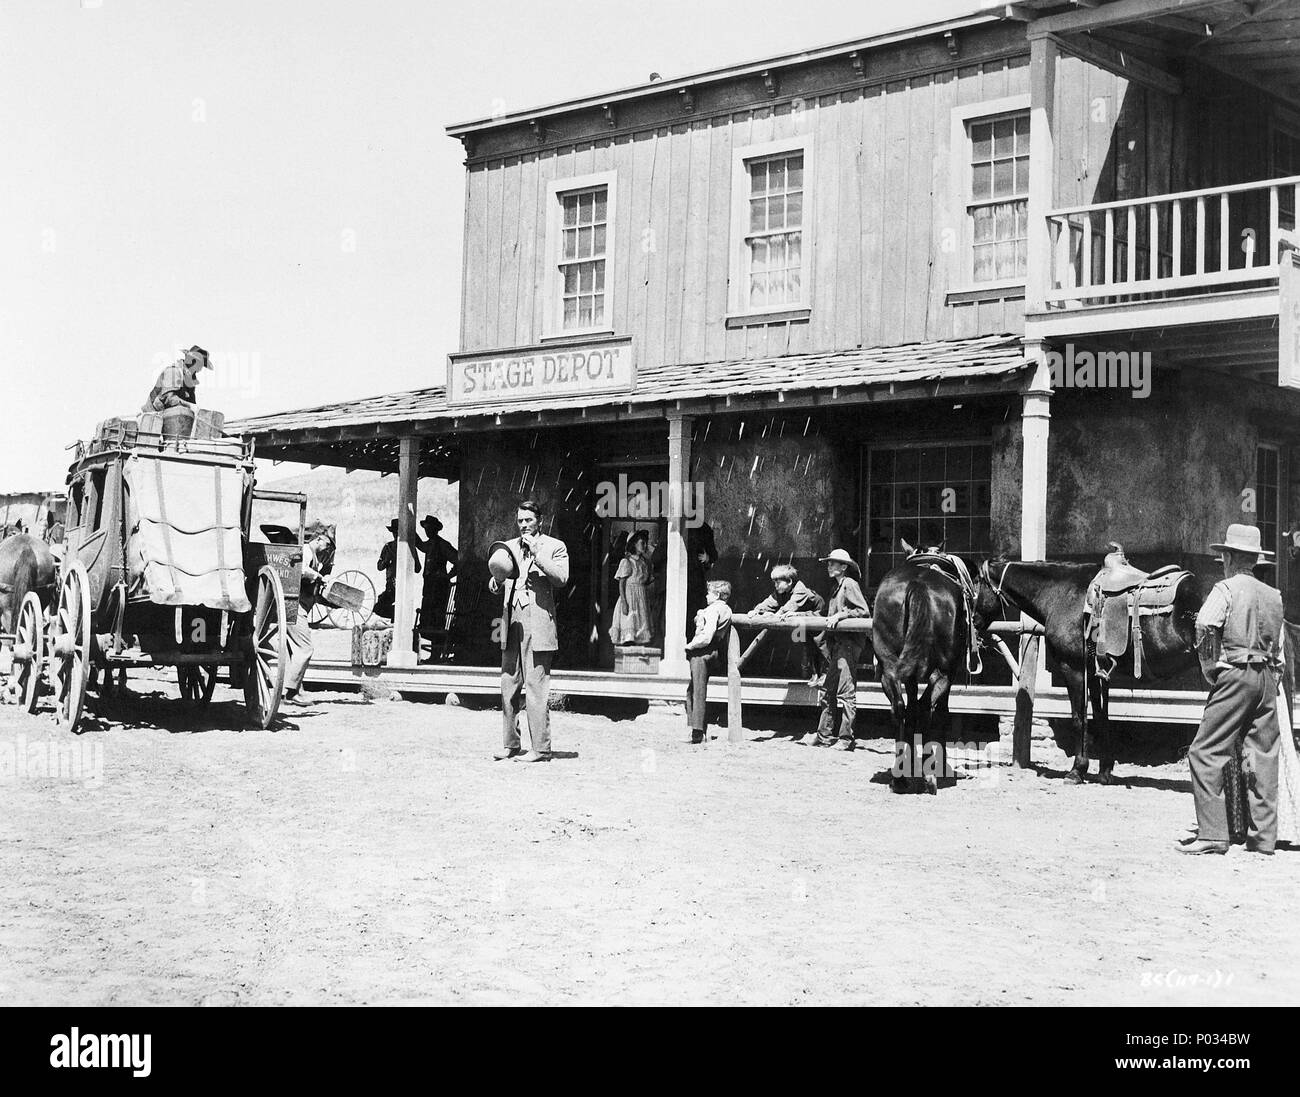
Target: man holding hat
[
  {"x": 838, "y": 693},
  {"x": 526, "y": 572},
  {"x": 175, "y": 385},
  {"x": 317, "y": 556},
  {"x": 1238, "y": 631}
]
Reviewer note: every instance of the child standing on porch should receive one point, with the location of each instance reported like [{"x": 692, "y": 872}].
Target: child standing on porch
[{"x": 707, "y": 653}]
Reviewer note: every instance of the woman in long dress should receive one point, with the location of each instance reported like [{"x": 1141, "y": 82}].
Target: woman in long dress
[{"x": 631, "y": 623}]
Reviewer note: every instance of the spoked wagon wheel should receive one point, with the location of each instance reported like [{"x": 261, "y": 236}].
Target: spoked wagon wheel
[
  {"x": 319, "y": 615},
  {"x": 70, "y": 646},
  {"x": 197, "y": 684},
  {"x": 267, "y": 651},
  {"x": 29, "y": 652},
  {"x": 351, "y": 618}
]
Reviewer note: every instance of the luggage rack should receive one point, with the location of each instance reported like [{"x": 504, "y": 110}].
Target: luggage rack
[{"x": 127, "y": 435}]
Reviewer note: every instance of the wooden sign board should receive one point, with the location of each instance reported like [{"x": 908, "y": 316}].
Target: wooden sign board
[
  {"x": 541, "y": 373},
  {"x": 1288, "y": 356}
]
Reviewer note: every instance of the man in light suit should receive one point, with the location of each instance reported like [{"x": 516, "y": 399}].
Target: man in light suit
[{"x": 527, "y": 632}]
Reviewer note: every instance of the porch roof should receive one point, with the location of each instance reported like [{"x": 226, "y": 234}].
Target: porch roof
[{"x": 364, "y": 433}]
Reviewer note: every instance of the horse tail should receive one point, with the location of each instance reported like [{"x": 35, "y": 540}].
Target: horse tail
[{"x": 916, "y": 632}]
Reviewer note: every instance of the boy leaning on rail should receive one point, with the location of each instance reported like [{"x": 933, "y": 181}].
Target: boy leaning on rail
[{"x": 707, "y": 653}]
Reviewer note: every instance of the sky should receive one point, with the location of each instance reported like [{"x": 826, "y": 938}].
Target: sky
[{"x": 273, "y": 182}]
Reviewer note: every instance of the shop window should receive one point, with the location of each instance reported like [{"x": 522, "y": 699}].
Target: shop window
[
  {"x": 926, "y": 495},
  {"x": 770, "y": 261},
  {"x": 580, "y": 241},
  {"x": 1267, "y": 499},
  {"x": 997, "y": 197}
]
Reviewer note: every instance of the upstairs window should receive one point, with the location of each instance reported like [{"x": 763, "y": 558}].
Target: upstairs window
[
  {"x": 997, "y": 203},
  {"x": 584, "y": 237},
  {"x": 774, "y": 242},
  {"x": 580, "y": 243},
  {"x": 770, "y": 238}
]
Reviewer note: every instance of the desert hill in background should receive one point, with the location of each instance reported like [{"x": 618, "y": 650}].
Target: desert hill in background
[{"x": 361, "y": 504}]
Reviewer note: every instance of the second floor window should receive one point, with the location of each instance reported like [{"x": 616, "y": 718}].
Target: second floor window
[
  {"x": 774, "y": 238},
  {"x": 998, "y": 197},
  {"x": 584, "y": 224}
]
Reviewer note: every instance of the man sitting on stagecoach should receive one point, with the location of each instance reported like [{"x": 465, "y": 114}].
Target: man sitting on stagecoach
[{"x": 176, "y": 384}]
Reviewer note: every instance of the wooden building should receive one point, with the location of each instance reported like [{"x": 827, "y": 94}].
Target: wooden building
[{"x": 1023, "y": 281}]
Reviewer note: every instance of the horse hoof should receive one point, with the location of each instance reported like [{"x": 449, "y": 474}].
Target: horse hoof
[
  {"x": 931, "y": 787},
  {"x": 898, "y": 785},
  {"x": 1074, "y": 777},
  {"x": 1104, "y": 778}
]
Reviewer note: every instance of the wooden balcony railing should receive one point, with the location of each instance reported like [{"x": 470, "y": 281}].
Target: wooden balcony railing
[{"x": 1170, "y": 245}]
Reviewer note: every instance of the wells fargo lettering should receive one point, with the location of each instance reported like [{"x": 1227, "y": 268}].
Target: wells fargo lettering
[{"x": 540, "y": 374}]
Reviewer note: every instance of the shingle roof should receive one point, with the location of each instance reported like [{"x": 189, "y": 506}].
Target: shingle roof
[{"x": 911, "y": 363}]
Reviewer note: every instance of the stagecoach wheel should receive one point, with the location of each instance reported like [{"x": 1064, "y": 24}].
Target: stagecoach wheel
[
  {"x": 349, "y": 618},
  {"x": 267, "y": 651},
  {"x": 197, "y": 684},
  {"x": 70, "y": 646},
  {"x": 29, "y": 652},
  {"x": 319, "y": 615}
]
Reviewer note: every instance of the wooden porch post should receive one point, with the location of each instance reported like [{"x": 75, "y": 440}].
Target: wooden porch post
[
  {"x": 1035, "y": 419},
  {"x": 402, "y": 653},
  {"x": 674, "y": 663}
]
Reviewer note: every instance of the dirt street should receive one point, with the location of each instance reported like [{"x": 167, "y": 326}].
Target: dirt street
[{"x": 372, "y": 852}]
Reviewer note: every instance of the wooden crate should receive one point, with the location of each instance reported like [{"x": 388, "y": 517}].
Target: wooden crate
[{"x": 635, "y": 659}]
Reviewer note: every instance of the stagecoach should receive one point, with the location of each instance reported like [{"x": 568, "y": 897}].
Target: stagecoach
[{"x": 158, "y": 569}]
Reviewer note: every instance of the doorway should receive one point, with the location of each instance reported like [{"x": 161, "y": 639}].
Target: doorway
[{"x": 630, "y": 486}]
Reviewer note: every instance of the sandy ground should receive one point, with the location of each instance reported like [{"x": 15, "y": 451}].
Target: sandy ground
[{"x": 372, "y": 852}]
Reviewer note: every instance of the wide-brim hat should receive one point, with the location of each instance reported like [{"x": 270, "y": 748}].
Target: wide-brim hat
[
  {"x": 502, "y": 562},
  {"x": 839, "y": 556},
  {"x": 205, "y": 359},
  {"x": 392, "y": 526},
  {"x": 1242, "y": 538},
  {"x": 430, "y": 521}
]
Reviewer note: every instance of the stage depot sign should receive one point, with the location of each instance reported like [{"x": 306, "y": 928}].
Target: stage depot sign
[{"x": 540, "y": 373}]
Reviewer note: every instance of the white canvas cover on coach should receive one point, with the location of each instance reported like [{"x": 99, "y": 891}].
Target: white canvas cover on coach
[{"x": 184, "y": 544}]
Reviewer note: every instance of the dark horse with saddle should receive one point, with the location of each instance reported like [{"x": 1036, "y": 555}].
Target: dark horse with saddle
[{"x": 930, "y": 616}]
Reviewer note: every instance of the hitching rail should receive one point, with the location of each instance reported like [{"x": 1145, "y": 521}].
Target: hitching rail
[{"x": 1025, "y": 668}]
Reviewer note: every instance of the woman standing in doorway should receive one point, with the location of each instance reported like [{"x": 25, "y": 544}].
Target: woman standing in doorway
[{"x": 631, "y": 624}]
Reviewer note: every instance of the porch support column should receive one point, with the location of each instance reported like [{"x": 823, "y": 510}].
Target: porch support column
[
  {"x": 1035, "y": 418},
  {"x": 674, "y": 662},
  {"x": 402, "y": 653}
]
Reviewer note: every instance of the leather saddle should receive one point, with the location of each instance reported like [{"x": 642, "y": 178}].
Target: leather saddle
[{"x": 1117, "y": 600}]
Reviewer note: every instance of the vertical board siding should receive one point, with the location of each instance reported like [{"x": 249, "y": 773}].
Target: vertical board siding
[{"x": 880, "y": 207}]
